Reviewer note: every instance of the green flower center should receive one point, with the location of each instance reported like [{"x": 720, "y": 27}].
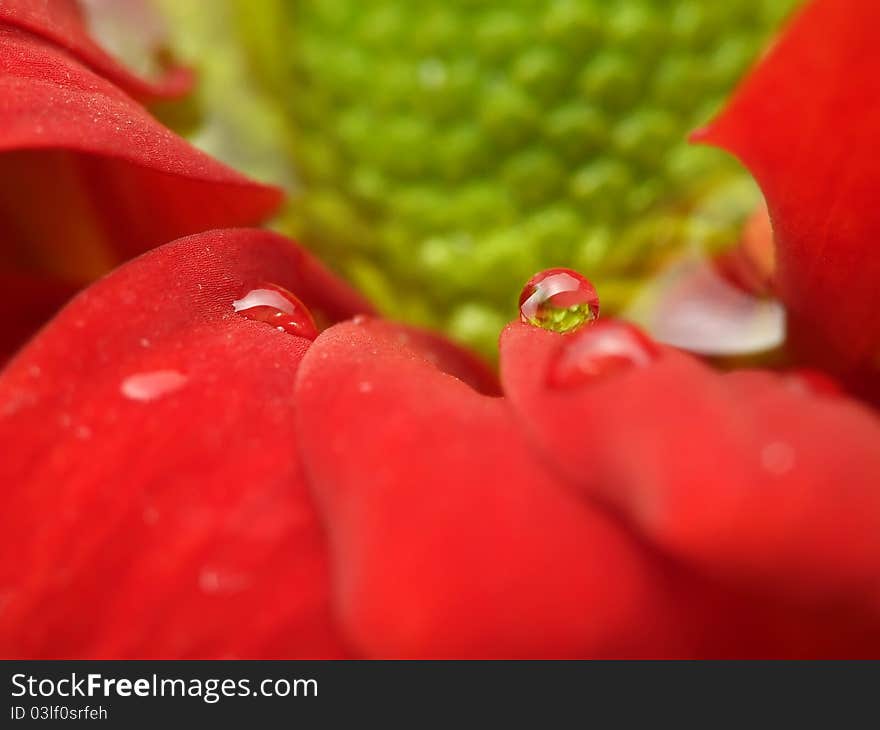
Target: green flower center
[{"x": 446, "y": 150}]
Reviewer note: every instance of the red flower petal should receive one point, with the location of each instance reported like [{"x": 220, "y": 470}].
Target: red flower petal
[
  {"x": 441, "y": 353},
  {"x": 62, "y": 23},
  {"x": 805, "y": 122},
  {"x": 153, "y": 501},
  {"x": 90, "y": 178},
  {"x": 746, "y": 477},
  {"x": 751, "y": 263},
  {"x": 148, "y": 185},
  {"x": 26, "y": 303},
  {"x": 448, "y": 538}
]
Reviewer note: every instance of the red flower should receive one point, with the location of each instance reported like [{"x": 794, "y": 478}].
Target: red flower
[
  {"x": 185, "y": 477},
  {"x": 195, "y": 483},
  {"x": 90, "y": 179},
  {"x": 806, "y": 123}
]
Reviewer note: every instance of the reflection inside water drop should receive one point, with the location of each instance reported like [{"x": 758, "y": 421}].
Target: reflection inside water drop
[
  {"x": 560, "y": 300},
  {"x": 278, "y": 307}
]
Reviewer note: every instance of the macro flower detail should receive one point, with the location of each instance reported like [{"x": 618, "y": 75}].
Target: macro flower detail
[
  {"x": 198, "y": 496},
  {"x": 90, "y": 178},
  {"x": 558, "y": 299},
  {"x": 445, "y": 151},
  {"x": 276, "y": 306},
  {"x": 603, "y": 349},
  {"x": 62, "y": 23},
  {"x": 820, "y": 188},
  {"x": 221, "y": 449}
]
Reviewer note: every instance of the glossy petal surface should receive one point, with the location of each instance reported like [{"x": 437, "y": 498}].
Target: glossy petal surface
[
  {"x": 747, "y": 476},
  {"x": 805, "y": 123},
  {"x": 153, "y": 500}
]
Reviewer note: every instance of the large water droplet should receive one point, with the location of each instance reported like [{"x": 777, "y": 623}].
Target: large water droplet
[
  {"x": 149, "y": 386},
  {"x": 560, "y": 300},
  {"x": 605, "y": 348},
  {"x": 278, "y": 307}
]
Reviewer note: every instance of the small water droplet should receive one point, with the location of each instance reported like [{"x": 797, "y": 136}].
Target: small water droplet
[
  {"x": 605, "y": 348},
  {"x": 149, "y": 386},
  {"x": 560, "y": 300},
  {"x": 278, "y": 307},
  {"x": 359, "y": 318},
  {"x": 365, "y": 387}
]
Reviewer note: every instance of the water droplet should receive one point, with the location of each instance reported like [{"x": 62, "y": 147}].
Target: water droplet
[
  {"x": 276, "y": 306},
  {"x": 150, "y": 386},
  {"x": 560, "y": 300},
  {"x": 605, "y": 348},
  {"x": 365, "y": 387}
]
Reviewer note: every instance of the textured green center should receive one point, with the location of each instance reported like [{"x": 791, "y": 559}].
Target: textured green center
[{"x": 446, "y": 150}]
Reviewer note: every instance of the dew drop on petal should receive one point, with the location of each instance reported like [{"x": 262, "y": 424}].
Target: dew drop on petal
[
  {"x": 278, "y": 307},
  {"x": 560, "y": 300},
  {"x": 605, "y": 348},
  {"x": 149, "y": 386}
]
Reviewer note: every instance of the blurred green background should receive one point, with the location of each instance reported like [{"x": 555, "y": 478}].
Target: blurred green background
[{"x": 438, "y": 153}]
